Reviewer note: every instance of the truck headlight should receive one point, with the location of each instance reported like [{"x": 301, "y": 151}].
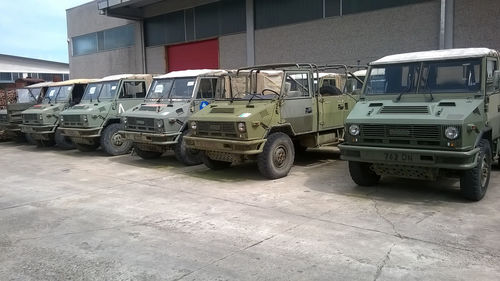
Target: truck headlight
[
  {"x": 242, "y": 127},
  {"x": 124, "y": 120},
  {"x": 85, "y": 118},
  {"x": 354, "y": 130},
  {"x": 159, "y": 123},
  {"x": 62, "y": 118},
  {"x": 193, "y": 125},
  {"x": 451, "y": 132},
  {"x": 40, "y": 117}
]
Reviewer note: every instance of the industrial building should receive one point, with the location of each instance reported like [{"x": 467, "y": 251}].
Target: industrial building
[
  {"x": 14, "y": 67},
  {"x": 155, "y": 36}
]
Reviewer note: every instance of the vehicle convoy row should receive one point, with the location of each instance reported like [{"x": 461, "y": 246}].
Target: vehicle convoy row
[{"x": 416, "y": 115}]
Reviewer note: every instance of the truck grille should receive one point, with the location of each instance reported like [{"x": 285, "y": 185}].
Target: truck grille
[
  {"x": 73, "y": 120},
  {"x": 217, "y": 129},
  {"x": 405, "y": 109},
  {"x": 140, "y": 124},
  {"x": 429, "y": 135},
  {"x": 30, "y": 117}
]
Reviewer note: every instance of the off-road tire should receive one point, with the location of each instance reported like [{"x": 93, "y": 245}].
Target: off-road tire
[
  {"x": 29, "y": 139},
  {"x": 362, "y": 175},
  {"x": 83, "y": 147},
  {"x": 19, "y": 137},
  {"x": 45, "y": 143},
  {"x": 63, "y": 142},
  {"x": 214, "y": 164},
  {"x": 474, "y": 182},
  {"x": 113, "y": 143},
  {"x": 278, "y": 156},
  {"x": 146, "y": 154},
  {"x": 185, "y": 155}
]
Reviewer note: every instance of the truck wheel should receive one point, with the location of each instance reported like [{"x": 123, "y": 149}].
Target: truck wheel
[
  {"x": 44, "y": 143},
  {"x": 362, "y": 175},
  {"x": 63, "y": 142},
  {"x": 146, "y": 154},
  {"x": 29, "y": 139},
  {"x": 474, "y": 182},
  {"x": 184, "y": 154},
  {"x": 86, "y": 147},
  {"x": 277, "y": 158},
  {"x": 214, "y": 164},
  {"x": 113, "y": 142}
]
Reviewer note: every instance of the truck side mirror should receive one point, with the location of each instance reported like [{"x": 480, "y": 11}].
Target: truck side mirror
[{"x": 496, "y": 79}]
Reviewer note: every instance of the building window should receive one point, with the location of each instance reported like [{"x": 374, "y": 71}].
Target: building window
[
  {"x": 5, "y": 76},
  {"x": 358, "y": 6},
  {"x": 202, "y": 22},
  {"x": 281, "y": 12},
  {"x": 109, "y": 39}
]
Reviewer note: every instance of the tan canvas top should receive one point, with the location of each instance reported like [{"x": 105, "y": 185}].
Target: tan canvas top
[
  {"x": 40, "y": 85},
  {"x": 71, "y": 82}
]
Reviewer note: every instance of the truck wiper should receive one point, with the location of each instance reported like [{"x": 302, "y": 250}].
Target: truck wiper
[{"x": 402, "y": 93}]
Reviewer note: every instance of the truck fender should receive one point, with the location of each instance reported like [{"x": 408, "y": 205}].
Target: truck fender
[
  {"x": 485, "y": 133},
  {"x": 111, "y": 121},
  {"x": 284, "y": 128}
]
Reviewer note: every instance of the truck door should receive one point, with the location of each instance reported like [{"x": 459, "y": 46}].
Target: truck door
[
  {"x": 298, "y": 107},
  {"x": 208, "y": 89},
  {"x": 493, "y": 98},
  {"x": 332, "y": 104},
  {"x": 132, "y": 93}
]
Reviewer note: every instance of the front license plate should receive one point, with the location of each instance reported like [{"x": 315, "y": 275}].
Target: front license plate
[
  {"x": 399, "y": 156},
  {"x": 71, "y": 133}
]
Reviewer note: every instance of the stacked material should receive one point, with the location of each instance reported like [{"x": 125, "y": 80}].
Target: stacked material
[{"x": 6, "y": 97}]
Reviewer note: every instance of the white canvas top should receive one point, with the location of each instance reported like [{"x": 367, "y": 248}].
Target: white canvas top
[
  {"x": 39, "y": 85},
  {"x": 359, "y": 73},
  {"x": 125, "y": 76},
  {"x": 191, "y": 73},
  {"x": 436, "y": 55}
]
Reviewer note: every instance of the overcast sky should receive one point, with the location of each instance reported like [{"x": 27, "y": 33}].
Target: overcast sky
[{"x": 35, "y": 28}]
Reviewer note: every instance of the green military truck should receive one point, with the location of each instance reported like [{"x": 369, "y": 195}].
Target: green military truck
[
  {"x": 41, "y": 121},
  {"x": 270, "y": 111},
  {"x": 159, "y": 124},
  {"x": 11, "y": 118},
  {"x": 427, "y": 114},
  {"x": 96, "y": 121}
]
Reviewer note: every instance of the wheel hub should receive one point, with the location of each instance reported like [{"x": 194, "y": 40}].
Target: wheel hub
[
  {"x": 279, "y": 157},
  {"x": 117, "y": 139},
  {"x": 484, "y": 171}
]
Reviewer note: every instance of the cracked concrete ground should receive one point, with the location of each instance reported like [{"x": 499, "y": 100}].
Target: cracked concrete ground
[{"x": 85, "y": 216}]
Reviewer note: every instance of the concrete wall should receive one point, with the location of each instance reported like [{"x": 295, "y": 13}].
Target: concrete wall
[
  {"x": 232, "y": 51},
  {"x": 364, "y": 36},
  {"x": 85, "y": 19},
  {"x": 155, "y": 60},
  {"x": 477, "y": 23}
]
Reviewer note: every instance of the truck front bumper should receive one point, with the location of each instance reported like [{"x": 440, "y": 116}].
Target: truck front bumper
[
  {"x": 151, "y": 138},
  {"x": 94, "y": 132},
  {"x": 38, "y": 132},
  {"x": 222, "y": 145},
  {"x": 453, "y": 160}
]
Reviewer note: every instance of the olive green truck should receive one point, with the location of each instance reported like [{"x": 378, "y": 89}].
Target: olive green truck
[
  {"x": 160, "y": 123},
  {"x": 268, "y": 112},
  {"x": 96, "y": 121},
  {"x": 427, "y": 114}
]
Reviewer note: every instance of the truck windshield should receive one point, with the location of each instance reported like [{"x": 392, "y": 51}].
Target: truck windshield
[
  {"x": 449, "y": 76},
  {"x": 244, "y": 86},
  {"x": 64, "y": 93},
  {"x": 173, "y": 88},
  {"x": 51, "y": 95},
  {"x": 24, "y": 96},
  {"x": 100, "y": 91}
]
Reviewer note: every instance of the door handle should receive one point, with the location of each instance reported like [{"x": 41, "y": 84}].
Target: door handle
[
  {"x": 341, "y": 106},
  {"x": 309, "y": 110}
]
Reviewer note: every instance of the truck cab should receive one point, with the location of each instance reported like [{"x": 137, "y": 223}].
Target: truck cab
[
  {"x": 270, "y": 111},
  {"x": 160, "y": 123},
  {"x": 41, "y": 121},
  {"x": 11, "y": 118},
  {"x": 426, "y": 114},
  {"x": 96, "y": 121}
]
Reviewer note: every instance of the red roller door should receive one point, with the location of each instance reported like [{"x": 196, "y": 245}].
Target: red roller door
[{"x": 195, "y": 55}]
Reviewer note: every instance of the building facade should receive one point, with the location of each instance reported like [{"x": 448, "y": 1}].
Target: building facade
[
  {"x": 14, "y": 67},
  {"x": 157, "y": 36}
]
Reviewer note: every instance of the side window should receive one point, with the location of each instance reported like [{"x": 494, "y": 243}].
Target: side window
[
  {"x": 208, "y": 89},
  {"x": 133, "y": 90},
  {"x": 490, "y": 69},
  {"x": 297, "y": 85},
  {"x": 329, "y": 87}
]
